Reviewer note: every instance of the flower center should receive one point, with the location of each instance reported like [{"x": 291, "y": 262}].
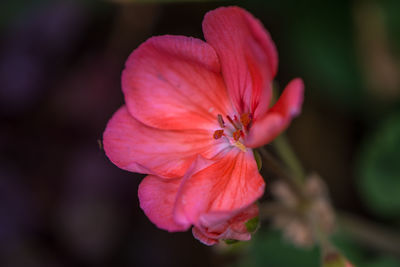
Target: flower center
[{"x": 235, "y": 131}]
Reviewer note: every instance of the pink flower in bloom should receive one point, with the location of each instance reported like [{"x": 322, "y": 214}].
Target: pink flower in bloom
[{"x": 194, "y": 111}]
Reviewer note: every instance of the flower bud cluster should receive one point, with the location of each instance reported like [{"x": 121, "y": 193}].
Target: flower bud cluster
[{"x": 300, "y": 216}]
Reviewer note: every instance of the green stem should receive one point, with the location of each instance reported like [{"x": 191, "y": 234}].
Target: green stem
[
  {"x": 271, "y": 209},
  {"x": 276, "y": 167},
  {"x": 287, "y": 154},
  {"x": 368, "y": 233}
]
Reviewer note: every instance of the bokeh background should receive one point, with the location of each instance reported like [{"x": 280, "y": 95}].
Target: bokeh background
[{"x": 62, "y": 203}]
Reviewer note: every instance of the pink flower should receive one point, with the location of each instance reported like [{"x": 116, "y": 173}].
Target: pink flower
[{"x": 194, "y": 111}]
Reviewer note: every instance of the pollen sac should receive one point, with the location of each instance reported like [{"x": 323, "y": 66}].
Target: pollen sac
[
  {"x": 237, "y": 134},
  {"x": 218, "y": 134},
  {"x": 245, "y": 119}
]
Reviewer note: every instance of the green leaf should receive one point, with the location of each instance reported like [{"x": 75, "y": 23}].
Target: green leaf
[
  {"x": 268, "y": 248},
  {"x": 383, "y": 262},
  {"x": 392, "y": 22},
  {"x": 359, "y": 255},
  {"x": 350, "y": 249},
  {"x": 230, "y": 241},
  {"x": 324, "y": 51},
  {"x": 252, "y": 224},
  {"x": 258, "y": 159},
  {"x": 379, "y": 169}
]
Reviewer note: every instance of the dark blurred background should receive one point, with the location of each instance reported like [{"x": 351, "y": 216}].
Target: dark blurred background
[{"x": 62, "y": 203}]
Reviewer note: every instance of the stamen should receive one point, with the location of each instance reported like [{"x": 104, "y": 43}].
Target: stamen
[
  {"x": 221, "y": 121},
  {"x": 237, "y": 134},
  {"x": 218, "y": 134},
  {"x": 245, "y": 119},
  {"x": 231, "y": 121}
]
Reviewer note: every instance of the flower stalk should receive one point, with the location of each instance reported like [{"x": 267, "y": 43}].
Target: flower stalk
[
  {"x": 286, "y": 153},
  {"x": 365, "y": 232}
]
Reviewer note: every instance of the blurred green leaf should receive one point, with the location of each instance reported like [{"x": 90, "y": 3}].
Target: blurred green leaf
[
  {"x": 392, "y": 20},
  {"x": 269, "y": 249},
  {"x": 379, "y": 169},
  {"x": 349, "y": 248},
  {"x": 258, "y": 159},
  {"x": 252, "y": 224},
  {"x": 230, "y": 241},
  {"x": 323, "y": 44},
  {"x": 360, "y": 256},
  {"x": 382, "y": 262}
]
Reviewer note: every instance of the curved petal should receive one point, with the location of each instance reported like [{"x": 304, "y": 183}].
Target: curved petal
[
  {"x": 203, "y": 238},
  {"x": 278, "y": 117},
  {"x": 157, "y": 199},
  {"x": 248, "y": 57},
  {"x": 224, "y": 187},
  {"x": 174, "y": 82},
  {"x": 135, "y": 147},
  {"x": 236, "y": 222},
  {"x": 234, "y": 228}
]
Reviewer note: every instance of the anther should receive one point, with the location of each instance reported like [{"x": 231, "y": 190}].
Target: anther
[
  {"x": 221, "y": 121},
  {"x": 237, "y": 134},
  {"x": 218, "y": 134}
]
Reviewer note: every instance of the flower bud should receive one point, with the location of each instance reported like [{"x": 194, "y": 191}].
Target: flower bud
[
  {"x": 238, "y": 228},
  {"x": 335, "y": 259}
]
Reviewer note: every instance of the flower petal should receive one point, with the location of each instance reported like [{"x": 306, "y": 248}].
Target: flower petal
[
  {"x": 225, "y": 187},
  {"x": 234, "y": 228},
  {"x": 135, "y": 147},
  {"x": 236, "y": 223},
  {"x": 278, "y": 117},
  {"x": 174, "y": 82},
  {"x": 199, "y": 235},
  {"x": 248, "y": 57},
  {"x": 157, "y": 198}
]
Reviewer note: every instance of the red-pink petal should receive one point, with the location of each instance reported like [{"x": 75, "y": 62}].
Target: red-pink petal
[
  {"x": 234, "y": 228},
  {"x": 278, "y": 117},
  {"x": 199, "y": 235},
  {"x": 225, "y": 187},
  {"x": 247, "y": 54},
  {"x": 157, "y": 199},
  {"x": 237, "y": 223},
  {"x": 135, "y": 147},
  {"x": 174, "y": 82}
]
